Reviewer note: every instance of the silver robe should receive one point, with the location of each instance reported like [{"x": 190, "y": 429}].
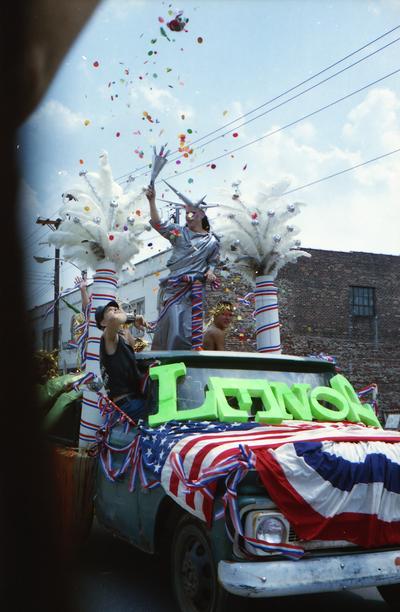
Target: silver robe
[{"x": 192, "y": 254}]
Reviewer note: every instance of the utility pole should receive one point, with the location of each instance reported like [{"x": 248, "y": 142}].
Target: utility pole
[{"x": 53, "y": 225}]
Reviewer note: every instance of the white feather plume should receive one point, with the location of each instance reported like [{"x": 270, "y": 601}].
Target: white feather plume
[
  {"x": 100, "y": 221},
  {"x": 258, "y": 238}
]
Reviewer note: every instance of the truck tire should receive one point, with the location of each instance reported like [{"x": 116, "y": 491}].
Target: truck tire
[
  {"x": 194, "y": 571},
  {"x": 391, "y": 594}
]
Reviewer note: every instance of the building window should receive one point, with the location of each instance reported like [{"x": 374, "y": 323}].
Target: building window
[{"x": 363, "y": 301}]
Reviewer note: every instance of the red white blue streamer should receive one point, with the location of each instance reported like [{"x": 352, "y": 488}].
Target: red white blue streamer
[
  {"x": 197, "y": 315},
  {"x": 370, "y": 390}
]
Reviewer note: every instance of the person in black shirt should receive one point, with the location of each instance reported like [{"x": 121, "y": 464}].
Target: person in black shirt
[{"x": 120, "y": 371}]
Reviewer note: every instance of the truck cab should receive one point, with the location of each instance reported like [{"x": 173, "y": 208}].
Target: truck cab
[{"x": 189, "y": 483}]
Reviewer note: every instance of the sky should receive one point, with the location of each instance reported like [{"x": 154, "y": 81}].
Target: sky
[{"x": 242, "y": 71}]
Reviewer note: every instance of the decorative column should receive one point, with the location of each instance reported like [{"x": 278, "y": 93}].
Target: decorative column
[
  {"x": 267, "y": 315},
  {"x": 103, "y": 291}
]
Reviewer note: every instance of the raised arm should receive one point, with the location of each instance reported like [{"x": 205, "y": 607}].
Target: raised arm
[
  {"x": 80, "y": 281},
  {"x": 154, "y": 214}
]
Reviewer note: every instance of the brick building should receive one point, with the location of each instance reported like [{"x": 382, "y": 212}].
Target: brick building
[{"x": 343, "y": 304}]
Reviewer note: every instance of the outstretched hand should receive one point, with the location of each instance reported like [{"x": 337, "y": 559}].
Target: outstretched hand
[
  {"x": 150, "y": 193},
  {"x": 80, "y": 281}
]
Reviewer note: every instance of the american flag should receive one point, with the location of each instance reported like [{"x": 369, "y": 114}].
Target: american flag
[{"x": 331, "y": 480}]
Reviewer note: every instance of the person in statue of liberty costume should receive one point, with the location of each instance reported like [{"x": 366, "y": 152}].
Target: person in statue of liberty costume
[{"x": 194, "y": 256}]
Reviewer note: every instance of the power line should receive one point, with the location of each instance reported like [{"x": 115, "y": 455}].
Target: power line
[
  {"x": 325, "y": 178},
  {"x": 286, "y": 92},
  {"x": 296, "y": 96},
  {"x": 40, "y": 291},
  {"x": 284, "y": 127}
]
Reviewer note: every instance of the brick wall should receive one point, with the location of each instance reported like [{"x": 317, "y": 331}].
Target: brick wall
[{"x": 315, "y": 316}]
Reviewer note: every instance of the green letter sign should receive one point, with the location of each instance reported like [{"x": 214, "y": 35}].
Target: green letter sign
[{"x": 279, "y": 401}]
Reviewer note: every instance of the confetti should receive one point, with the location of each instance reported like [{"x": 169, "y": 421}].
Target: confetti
[
  {"x": 244, "y": 167},
  {"x": 81, "y": 161},
  {"x": 178, "y": 23},
  {"x": 190, "y": 180},
  {"x": 213, "y": 166},
  {"x": 178, "y": 161},
  {"x": 117, "y": 134},
  {"x": 147, "y": 116},
  {"x": 96, "y": 64},
  {"x": 163, "y": 33},
  {"x": 189, "y": 131},
  {"x": 235, "y": 134},
  {"x": 86, "y": 122},
  {"x": 225, "y": 113},
  {"x": 199, "y": 40},
  {"x": 161, "y": 20}
]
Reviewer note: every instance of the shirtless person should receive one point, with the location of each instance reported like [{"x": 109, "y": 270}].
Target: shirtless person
[{"x": 214, "y": 336}]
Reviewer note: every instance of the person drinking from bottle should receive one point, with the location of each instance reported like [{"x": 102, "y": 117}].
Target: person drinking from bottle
[{"x": 121, "y": 374}]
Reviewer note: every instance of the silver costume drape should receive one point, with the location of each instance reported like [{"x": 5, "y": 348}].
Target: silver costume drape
[{"x": 193, "y": 253}]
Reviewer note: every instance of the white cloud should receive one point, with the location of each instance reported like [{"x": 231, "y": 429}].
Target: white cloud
[
  {"x": 381, "y": 105},
  {"x": 27, "y": 198},
  {"x": 119, "y": 9},
  {"x": 161, "y": 100},
  {"x": 58, "y": 114},
  {"x": 376, "y": 7},
  {"x": 358, "y": 210}
]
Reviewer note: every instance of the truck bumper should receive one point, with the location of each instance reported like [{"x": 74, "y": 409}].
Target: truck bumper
[{"x": 333, "y": 573}]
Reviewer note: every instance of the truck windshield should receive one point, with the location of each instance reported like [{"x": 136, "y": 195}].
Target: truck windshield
[{"x": 191, "y": 388}]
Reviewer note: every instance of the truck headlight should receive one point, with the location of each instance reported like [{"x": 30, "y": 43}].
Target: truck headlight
[
  {"x": 267, "y": 526},
  {"x": 271, "y": 529}
]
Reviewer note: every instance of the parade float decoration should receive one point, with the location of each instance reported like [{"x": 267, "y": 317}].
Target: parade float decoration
[
  {"x": 101, "y": 228},
  {"x": 257, "y": 240}
]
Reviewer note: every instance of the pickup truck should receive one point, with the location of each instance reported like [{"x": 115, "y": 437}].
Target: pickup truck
[{"x": 206, "y": 482}]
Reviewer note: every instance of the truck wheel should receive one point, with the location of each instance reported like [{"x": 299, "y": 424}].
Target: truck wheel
[
  {"x": 390, "y": 593},
  {"x": 194, "y": 572}
]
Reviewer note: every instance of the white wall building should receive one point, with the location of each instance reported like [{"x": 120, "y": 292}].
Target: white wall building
[{"x": 140, "y": 293}]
